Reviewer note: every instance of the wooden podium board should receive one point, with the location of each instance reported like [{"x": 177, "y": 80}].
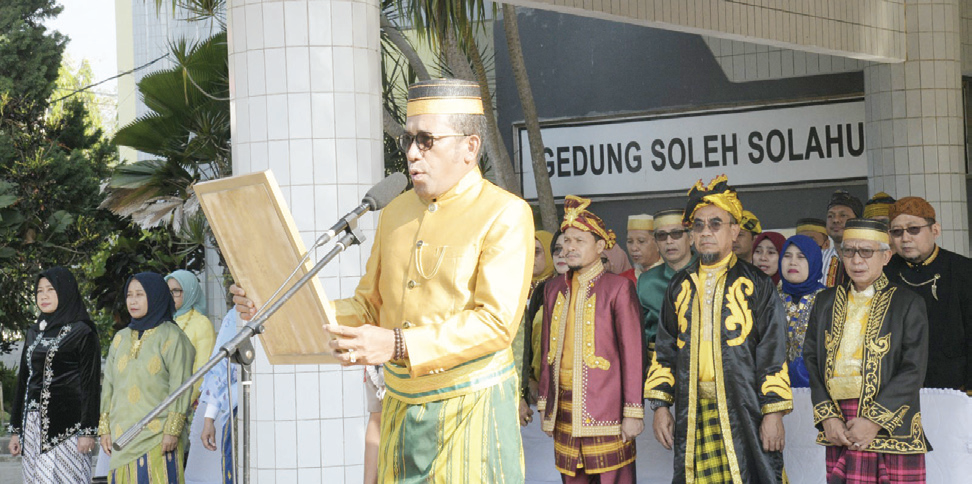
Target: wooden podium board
[{"x": 261, "y": 245}]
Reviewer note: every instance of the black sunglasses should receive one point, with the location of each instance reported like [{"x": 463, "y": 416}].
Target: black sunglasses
[
  {"x": 423, "y": 139},
  {"x": 674, "y": 234}
]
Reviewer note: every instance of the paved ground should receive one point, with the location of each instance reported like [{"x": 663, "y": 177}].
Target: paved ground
[{"x": 10, "y": 470}]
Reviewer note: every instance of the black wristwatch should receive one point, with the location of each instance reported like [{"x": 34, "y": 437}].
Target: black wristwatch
[{"x": 654, "y": 404}]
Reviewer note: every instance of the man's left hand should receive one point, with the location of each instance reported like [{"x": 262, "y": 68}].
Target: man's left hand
[
  {"x": 771, "y": 432},
  {"x": 861, "y": 431},
  {"x": 526, "y": 413},
  {"x": 631, "y": 427},
  {"x": 362, "y": 345}
]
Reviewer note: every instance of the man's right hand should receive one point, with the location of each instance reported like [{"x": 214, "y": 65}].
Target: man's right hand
[
  {"x": 664, "y": 427},
  {"x": 836, "y": 432},
  {"x": 244, "y": 305},
  {"x": 208, "y": 434}
]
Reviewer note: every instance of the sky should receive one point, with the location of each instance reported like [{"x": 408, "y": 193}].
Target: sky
[{"x": 90, "y": 25}]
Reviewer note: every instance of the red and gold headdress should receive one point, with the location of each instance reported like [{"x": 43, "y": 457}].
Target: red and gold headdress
[
  {"x": 577, "y": 216},
  {"x": 717, "y": 193}
]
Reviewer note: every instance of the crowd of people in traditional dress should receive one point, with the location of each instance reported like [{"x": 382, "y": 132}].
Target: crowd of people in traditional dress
[{"x": 468, "y": 319}]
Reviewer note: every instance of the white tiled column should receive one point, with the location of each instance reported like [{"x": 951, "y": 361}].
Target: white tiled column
[
  {"x": 915, "y": 131},
  {"x": 305, "y": 88}
]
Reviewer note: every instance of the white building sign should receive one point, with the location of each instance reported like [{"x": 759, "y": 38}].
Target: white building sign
[{"x": 752, "y": 146}]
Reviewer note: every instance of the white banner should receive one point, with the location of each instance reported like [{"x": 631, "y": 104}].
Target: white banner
[{"x": 752, "y": 146}]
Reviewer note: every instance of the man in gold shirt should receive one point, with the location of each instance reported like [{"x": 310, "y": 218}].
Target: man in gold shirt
[
  {"x": 865, "y": 351},
  {"x": 442, "y": 297},
  {"x": 720, "y": 356}
]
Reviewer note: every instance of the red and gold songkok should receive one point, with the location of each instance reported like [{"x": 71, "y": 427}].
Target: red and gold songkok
[
  {"x": 717, "y": 193},
  {"x": 444, "y": 96},
  {"x": 577, "y": 216}
]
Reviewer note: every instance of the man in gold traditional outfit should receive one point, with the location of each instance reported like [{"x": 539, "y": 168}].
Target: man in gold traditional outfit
[
  {"x": 865, "y": 351},
  {"x": 443, "y": 294},
  {"x": 720, "y": 356}
]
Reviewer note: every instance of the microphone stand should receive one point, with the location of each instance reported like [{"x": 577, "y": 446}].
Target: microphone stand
[{"x": 239, "y": 349}]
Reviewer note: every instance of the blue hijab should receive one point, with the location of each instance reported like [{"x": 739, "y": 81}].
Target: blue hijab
[
  {"x": 160, "y": 303},
  {"x": 814, "y": 257},
  {"x": 192, "y": 295}
]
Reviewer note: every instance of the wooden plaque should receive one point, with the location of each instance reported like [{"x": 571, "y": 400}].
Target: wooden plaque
[{"x": 261, "y": 245}]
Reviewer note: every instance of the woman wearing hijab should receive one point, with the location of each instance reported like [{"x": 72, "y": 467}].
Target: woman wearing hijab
[
  {"x": 767, "y": 247},
  {"x": 54, "y": 416},
  {"x": 615, "y": 260},
  {"x": 190, "y": 316},
  {"x": 801, "y": 266},
  {"x": 526, "y": 343},
  {"x": 146, "y": 362}
]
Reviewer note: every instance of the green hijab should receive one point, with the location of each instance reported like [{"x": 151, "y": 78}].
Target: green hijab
[{"x": 192, "y": 295}]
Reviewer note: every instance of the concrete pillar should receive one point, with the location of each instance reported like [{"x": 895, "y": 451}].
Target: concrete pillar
[
  {"x": 915, "y": 129},
  {"x": 306, "y": 101}
]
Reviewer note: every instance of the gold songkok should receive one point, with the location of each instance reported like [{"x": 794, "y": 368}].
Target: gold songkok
[
  {"x": 577, "y": 216},
  {"x": 717, "y": 193},
  {"x": 878, "y": 206},
  {"x": 750, "y": 222},
  {"x": 866, "y": 229},
  {"x": 641, "y": 222},
  {"x": 811, "y": 225},
  {"x": 444, "y": 96},
  {"x": 670, "y": 216}
]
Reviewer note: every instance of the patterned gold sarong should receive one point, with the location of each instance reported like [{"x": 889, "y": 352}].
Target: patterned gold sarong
[
  {"x": 474, "y": 437},
  {"x": 595, "y": 454}
]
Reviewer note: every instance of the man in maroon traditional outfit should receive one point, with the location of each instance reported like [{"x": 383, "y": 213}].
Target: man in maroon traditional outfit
[{"x": 591, "y": 358}]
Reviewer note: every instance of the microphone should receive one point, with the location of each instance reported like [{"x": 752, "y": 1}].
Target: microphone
[{"x": 377, "y": 198}]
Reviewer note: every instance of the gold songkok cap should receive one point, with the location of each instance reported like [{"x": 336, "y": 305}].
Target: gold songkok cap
[
  {"x": 811, "y": 225},
  {"x": 750, "y": 222},
  {"x": 866, "y": 229},
  {"x": 641, "y": 222},
  {"x": 879, "y": 205},
  {"x": 669, "y": 216},
  {"x": 717, "y": 193},
  {"x": 577, "y": 216},
  {"x": 444, "y": 96}
]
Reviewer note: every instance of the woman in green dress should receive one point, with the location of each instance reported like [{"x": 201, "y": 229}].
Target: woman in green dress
[{"x": 146, "y": 361}]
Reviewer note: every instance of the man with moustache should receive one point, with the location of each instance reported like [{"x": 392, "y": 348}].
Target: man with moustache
[
  {"x": 591, "y": 358},
  {"x": 944, "y": 280},
  {"x": 749, "y": 228},
  {"x": 865, "y": 352},
  {"x": 643, "y": 253},
  {"x": 443, "y": 294},
  {"x": 842, "y": 207},
  {"x": 720, "y": 356},
  {"x": 674, "y": 243}
]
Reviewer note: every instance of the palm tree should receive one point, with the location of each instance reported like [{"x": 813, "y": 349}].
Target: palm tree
[{"x": 188, "y": 129}]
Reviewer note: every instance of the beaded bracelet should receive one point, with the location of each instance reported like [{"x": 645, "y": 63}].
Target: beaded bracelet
[{"x": 399, "y": 345}]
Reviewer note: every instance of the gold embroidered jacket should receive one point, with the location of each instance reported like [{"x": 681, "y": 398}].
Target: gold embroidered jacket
[
  {"x": 893, "y": 367},
  {"x": 751, "y": 376},
  {"x": 608, "y": 352},
  {"x": 453, "y": 272}
]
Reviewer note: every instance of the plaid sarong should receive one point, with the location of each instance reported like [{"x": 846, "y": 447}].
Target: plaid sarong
[
  {"x": 711, "y": 461},
  {"x": 595, "y": 454},
  {"x": 846, "y": 466}
]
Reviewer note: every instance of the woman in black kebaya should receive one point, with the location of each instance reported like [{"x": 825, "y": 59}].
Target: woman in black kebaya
[{"x": 55, "y": 412}]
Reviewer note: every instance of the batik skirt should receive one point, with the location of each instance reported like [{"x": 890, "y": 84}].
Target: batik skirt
[
  {"x": 63, "y": 463},
  {"x": 470, "y": 438},
  {"x": 594, "y": 454},
  {"x": 846, "y": 466}
]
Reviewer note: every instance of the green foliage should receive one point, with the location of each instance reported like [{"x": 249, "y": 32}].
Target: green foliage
[
  {"x": 188, "y": 129},
  {"x": 8, "y": 381}
]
